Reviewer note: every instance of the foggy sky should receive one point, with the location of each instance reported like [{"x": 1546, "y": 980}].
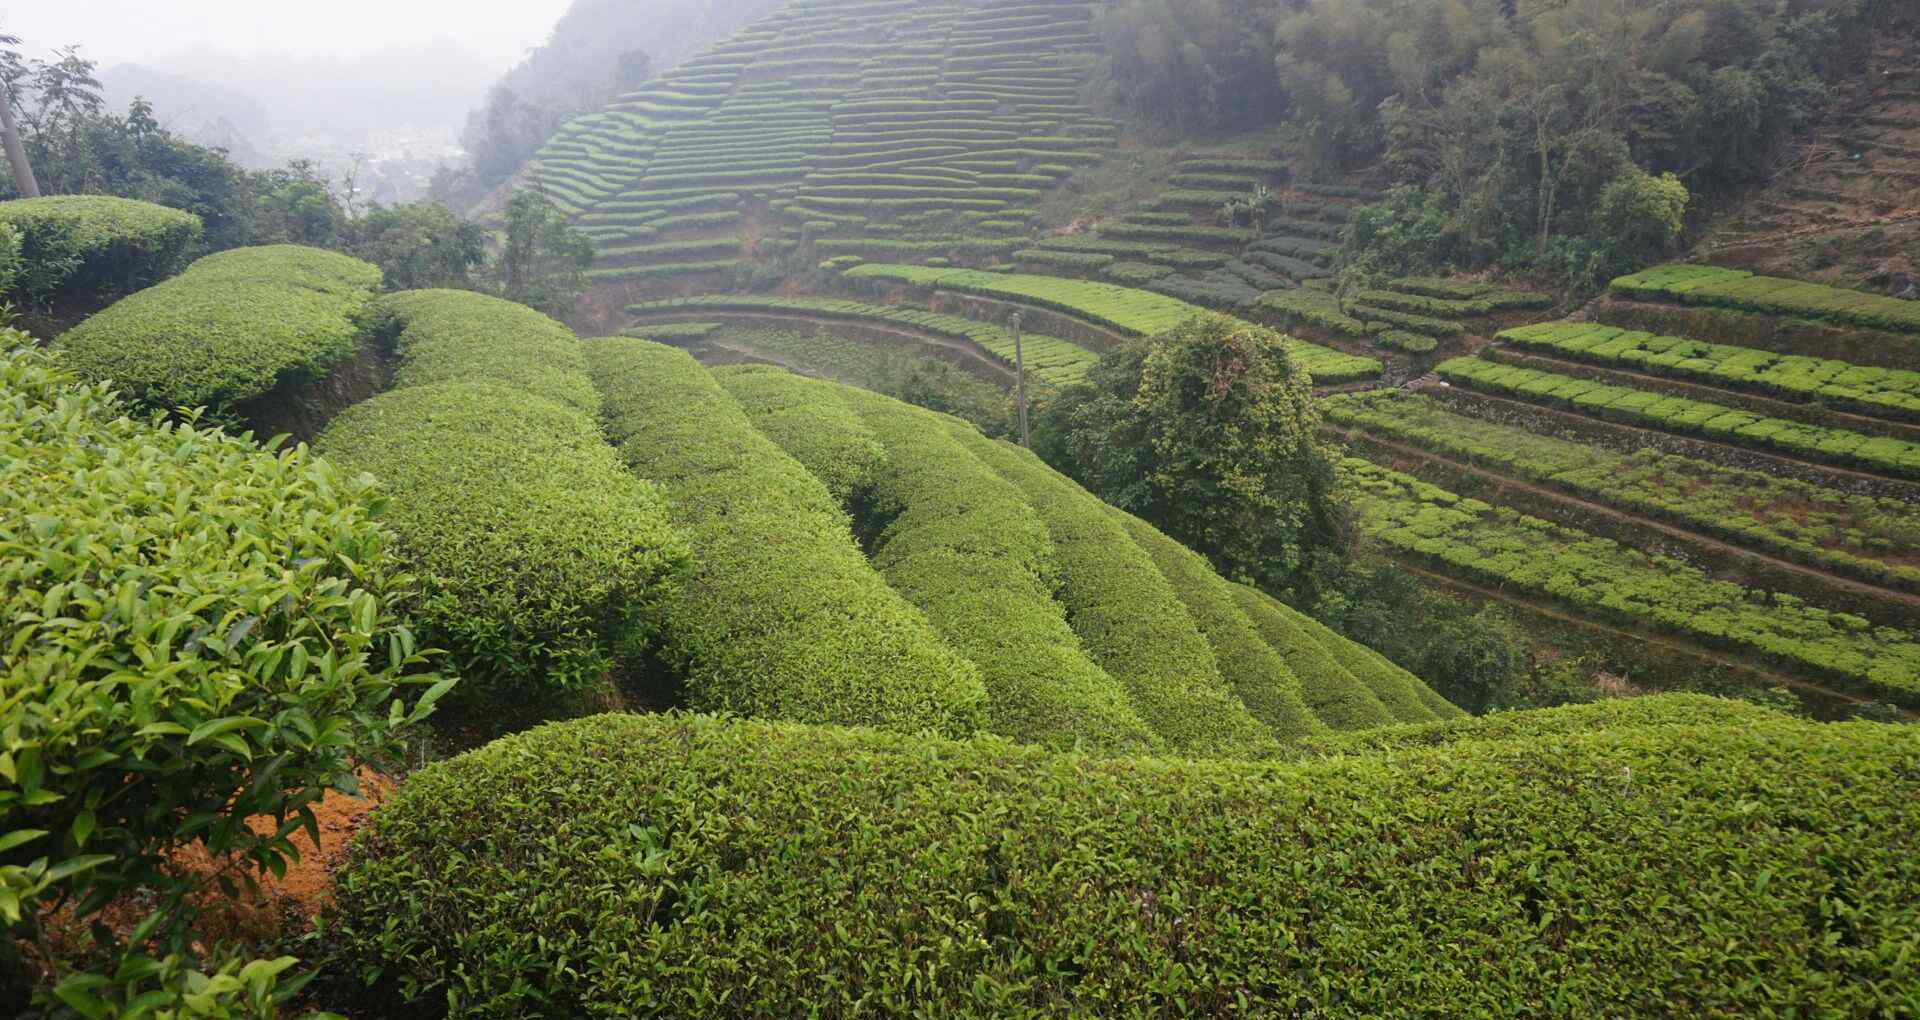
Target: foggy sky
[{"x": 157, "y": 31}]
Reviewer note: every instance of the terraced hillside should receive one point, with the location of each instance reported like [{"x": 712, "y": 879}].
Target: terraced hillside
[
  {"x": 1749, "y": 508},
  {"x": 1850, "y": 198},
  {"x": 852, "y": 124}
]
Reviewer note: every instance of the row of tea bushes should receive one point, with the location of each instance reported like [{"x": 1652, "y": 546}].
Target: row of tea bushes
[
  {"x": 782, "y": 616},
  {"x": 963, "y": 545},
  {"x": 1125, "y": 309},
  {"x": 708, "y": 867},
  {"x": 1899, "y": 458},
  {"x": 231, "y": 328},
  {"x": 1743, "y": 291},
  {"x": 1859, "y": 536},
  {"x": 542, "y": 562},
  {"x": 1498, "y": 546},
  {"x": 1862, "y": 388},
  {"x": 1126, "y": 613},
  {"x": 1048, "y": 359}
]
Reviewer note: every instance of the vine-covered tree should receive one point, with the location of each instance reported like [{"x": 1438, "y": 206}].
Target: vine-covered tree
[{"x": 1209, "y": 431}]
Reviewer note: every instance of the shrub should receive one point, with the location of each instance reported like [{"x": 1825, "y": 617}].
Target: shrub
[
  {"x": 1259, "y": 676},
  {"x": 1899, "y": 458},
  {"x": 783, "y": 617},
  {"x": 1500, "y": 546},
  {"x": 827, "y": 437},
  {"x": 10, "y": 264},
  {"x": 1683, "y": 710},
  {"x": 962, "y": 544},
  {"x": 1336, "y": 696},
  {"x": 75, "y": 247},
  {"x": 1126, "y": 613},
  {"x": 443, "y": 335},
  {"x": 1856, "y": 535},
  {"x": 542, "y": 561},
  {"x": 749, "y": 869},
  {"x": 183, "y": 608},
  {"x": 229, "y": 329}
]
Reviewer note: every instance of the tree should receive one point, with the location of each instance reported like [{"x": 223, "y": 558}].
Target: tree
[
  {"x": 419, "y": 246},
  {"x": 631, "y": 70},
  {"x": 543, "y": 261},
  {"x": 10, "y": 134},
  {"x": 1209, "y": 432}
]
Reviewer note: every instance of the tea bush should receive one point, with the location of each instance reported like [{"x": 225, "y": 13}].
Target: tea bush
[
  {"x": 198, "y": 630},
  {"x": 86, "y": 246},
  {"x": 688, "y": 866},
  {"x": 542, "y": 562},
  {"x": 782, "y": 616},
  {"x": 442, "y": 335},
  {"x": 229, "y": 329}
]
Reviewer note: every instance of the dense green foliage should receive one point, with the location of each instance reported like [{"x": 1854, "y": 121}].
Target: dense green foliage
[
  {"x": 231, "y": 328},
  {"x": 962, "y": 544},
  {"x": 1861, "y": 536},
  {"x": 542, "y": 562},
  {"x": 692, "y": 866},
  {"x": 1258, "y": 675},
  {"x": 1208, "y": 432},
  {"x": 782, "y": 616},
  {"x": 1615, "y": 583},
  {"x": 1884, "y": 454},
  {"x": 198, "y": 631},
  {"x": 1541, "y": 133},
  {"x": 1743, "y": 291},
  {"x": 543, "y": 259},
  {"x": 1862, "y": 388},
  {"x": 443, "y": 335},
  {"x": 1126, "y": 613},
  {"x": 88, "y": 247}
]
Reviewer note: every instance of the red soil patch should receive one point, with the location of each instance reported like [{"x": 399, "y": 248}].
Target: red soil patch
[
  {"x": 264, "y": 914},
  {"x": 294, "y": 899}
]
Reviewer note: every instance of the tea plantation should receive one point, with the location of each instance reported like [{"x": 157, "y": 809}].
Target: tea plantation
[{"x": 751, "y": 660}]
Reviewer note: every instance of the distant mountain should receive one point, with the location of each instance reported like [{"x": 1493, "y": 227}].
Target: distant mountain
[
  {"x": 588, "y": 59},
  {"x": 202, "y": 111}
]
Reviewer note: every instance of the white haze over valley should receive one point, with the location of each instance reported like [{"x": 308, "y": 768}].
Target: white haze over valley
[{"x": 383, "y": 81}]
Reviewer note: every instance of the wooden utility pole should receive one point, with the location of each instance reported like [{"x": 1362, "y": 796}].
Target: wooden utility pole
[
  {"x": 23, "y": 181},
  {"x": 1020, "y": 379}
]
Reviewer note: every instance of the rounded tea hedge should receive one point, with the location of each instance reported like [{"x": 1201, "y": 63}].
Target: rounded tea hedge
[{"x": 681, "y": 866}]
